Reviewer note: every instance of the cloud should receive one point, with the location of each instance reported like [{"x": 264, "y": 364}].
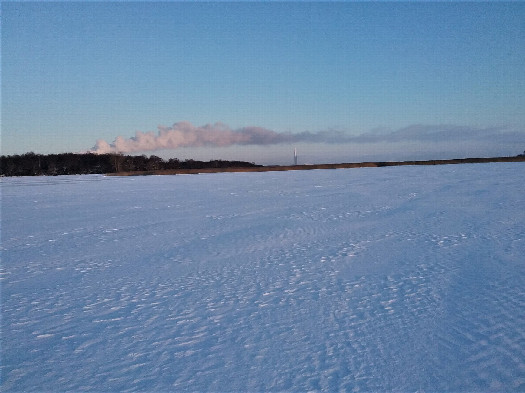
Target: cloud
[
  {"x": 185, "y": 134},
  {"x": 442, "y": 133}
]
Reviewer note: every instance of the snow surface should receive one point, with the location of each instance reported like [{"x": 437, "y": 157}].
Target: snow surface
[{"x": 371, "y": 279}]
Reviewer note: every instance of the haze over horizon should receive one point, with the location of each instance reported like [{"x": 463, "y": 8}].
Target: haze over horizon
[{"x": 252, "y": 81}]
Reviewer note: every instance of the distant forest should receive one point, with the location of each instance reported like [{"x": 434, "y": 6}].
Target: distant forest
[{"x": 32, "y": 164}]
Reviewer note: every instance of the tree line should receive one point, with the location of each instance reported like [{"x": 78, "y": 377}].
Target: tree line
[{"x": 32, "y": 164}]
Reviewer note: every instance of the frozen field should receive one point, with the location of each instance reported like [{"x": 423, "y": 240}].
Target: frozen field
[{"x": 371, "y": 279}]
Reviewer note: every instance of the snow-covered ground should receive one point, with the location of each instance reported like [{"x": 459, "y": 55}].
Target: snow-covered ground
[{"x": 371, "y": 279}]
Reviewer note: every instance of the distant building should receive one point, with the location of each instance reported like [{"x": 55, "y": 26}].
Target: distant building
[{"x": 295, "y": 156}]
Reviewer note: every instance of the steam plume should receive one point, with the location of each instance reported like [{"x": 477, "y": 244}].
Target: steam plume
[{"x": 184, "y": 134}]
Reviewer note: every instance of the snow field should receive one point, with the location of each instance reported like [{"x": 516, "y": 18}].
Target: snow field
[{"x": 371, "y": 279}]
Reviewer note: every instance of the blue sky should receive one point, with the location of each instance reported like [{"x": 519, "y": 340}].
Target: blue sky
[{"x": 361, "y": 80}]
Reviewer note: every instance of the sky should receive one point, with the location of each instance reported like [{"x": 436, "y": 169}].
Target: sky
[{"x": 338, "y": 81}]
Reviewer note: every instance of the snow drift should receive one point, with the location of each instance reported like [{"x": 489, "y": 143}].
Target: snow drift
[{"x": 372, "y": 279}]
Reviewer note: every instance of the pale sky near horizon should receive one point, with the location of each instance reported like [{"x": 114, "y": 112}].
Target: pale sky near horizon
[{"x": 343, "y": 81}]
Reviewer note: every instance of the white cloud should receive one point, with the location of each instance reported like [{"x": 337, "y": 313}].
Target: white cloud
[{"x": 425, "y": 137}]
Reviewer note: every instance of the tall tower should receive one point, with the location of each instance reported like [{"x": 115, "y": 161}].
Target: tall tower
[{"x": 295, "y": 156}]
